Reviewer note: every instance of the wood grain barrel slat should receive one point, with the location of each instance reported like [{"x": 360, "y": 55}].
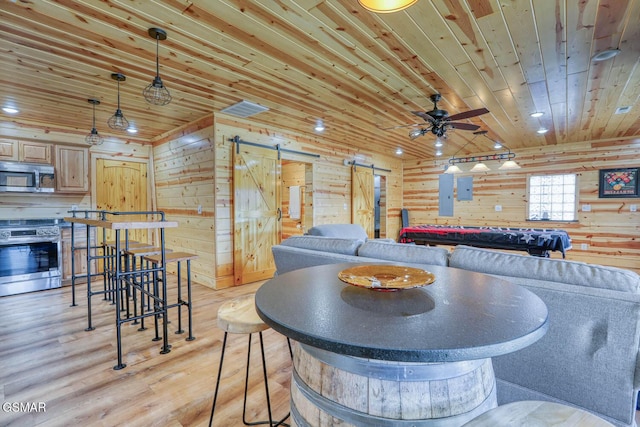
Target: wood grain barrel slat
[{"x": 324, "y": 392}]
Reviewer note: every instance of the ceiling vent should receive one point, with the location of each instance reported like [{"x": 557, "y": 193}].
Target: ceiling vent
[
  {"x": 244, "y": 109},
  {"x": 623, "y": 110}
]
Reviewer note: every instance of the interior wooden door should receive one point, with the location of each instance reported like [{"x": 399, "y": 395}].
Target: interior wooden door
[
  {"x": 362, "y": 198},
  {"x": 257, "y": 212},
  {"x": 122, "y": 186}
]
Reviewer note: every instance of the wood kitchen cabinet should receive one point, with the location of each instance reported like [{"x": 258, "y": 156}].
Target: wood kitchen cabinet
[
  {"x": 72, "y": 169},
  {"x": 34, "y": 152},
  {"x": 8, "y": 149},
  {"x": 25, "y": 151}
]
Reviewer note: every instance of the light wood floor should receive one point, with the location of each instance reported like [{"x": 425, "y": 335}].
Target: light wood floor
[{"x": 47, "y": 356}]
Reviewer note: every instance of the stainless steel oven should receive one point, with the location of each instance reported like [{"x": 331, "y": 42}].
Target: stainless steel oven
[{"x": 29, "y": 256}]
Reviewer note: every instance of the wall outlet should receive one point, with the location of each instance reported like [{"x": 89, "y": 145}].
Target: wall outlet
[
  {"x": 584, "y": 247},
  {"x": 586, "y": 208},
  {"x": 74, "y": 207},
  {"x": 633, "y": 208},
  {"x": 199, "y": 209},
  {"x": 498, "y": 208}
]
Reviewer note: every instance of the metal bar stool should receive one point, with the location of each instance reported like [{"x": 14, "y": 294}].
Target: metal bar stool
[
  {"x": 178, "y": 257},
  {"x": 239, "y": 316},
  {"x": 141, "y": 281}
]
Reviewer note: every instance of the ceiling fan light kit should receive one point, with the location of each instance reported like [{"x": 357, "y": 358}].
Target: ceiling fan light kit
[
  {"x": 156, "y": 93},
  {"x": 386, "y": 6},
  {"x": 439, "y": 121},
  {"x": 118, "y": 121}
]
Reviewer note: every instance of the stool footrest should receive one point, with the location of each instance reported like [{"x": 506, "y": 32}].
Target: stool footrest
[{"x": 171, "y": 257}]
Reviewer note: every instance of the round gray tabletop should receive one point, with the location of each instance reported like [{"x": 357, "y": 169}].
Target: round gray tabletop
[{"x": 461, "y": 316}]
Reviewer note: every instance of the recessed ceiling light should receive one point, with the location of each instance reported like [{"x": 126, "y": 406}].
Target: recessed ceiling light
[
  {"x": 605, "y": 54},
  {"x": 438, "y": 142},
  {"x": 10, "y": 110},
  {"x": 623, "y": 110},
  {"x": 542, "y": 130},
  {"x": 537, "y": 114},
  {"x": 399, "y": 151},
  {"x": 132, "y": 130},
  {"x": 497, "y": 145},
  {"x": 438, "y": 153},
  {"x": 319, "y": 126}
]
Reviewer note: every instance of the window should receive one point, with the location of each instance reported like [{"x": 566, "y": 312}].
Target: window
[{"x": 552, "y": 197}]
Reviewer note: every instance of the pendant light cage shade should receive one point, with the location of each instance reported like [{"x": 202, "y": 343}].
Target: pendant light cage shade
[
  {"x": 118, "y": 121},
  {"x": 386, "y": 6},
  {"x": 94, "y": 138},
  {"x": 156, "y": 93}
]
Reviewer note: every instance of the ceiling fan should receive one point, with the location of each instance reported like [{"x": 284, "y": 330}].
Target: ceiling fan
[{"x": 440, "y": 120}]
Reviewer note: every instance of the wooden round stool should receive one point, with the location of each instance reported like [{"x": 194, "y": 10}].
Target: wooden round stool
[
  {"x": 532, "y": 413},
  {"x": 239, "y": 316}
]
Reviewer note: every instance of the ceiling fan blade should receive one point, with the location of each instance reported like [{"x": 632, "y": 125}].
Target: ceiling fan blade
[
  {"x": 425, "y": 116},
  {"x": 463, "y": 126},
  {"x": 468, "y": 114}
]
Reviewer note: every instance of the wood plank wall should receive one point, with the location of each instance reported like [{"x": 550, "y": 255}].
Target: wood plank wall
[
  {"x": 610, "y": 229},
  {"x": 331, "y": 193},
  {"x": 183, "y": 162},
  {"x": 293, "y": 173}
]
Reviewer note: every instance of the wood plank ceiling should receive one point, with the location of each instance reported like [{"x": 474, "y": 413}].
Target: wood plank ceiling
[{"x": 359, "y": 72}]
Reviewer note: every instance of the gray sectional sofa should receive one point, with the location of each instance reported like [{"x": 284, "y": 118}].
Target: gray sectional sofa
[{"x": 588, "y": 358}]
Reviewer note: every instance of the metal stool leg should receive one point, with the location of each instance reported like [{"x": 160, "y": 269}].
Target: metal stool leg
[
  {"x": 215, "y": 394},
  {"x": 270, "y": 422}
]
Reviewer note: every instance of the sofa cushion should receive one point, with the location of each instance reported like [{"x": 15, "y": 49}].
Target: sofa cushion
[
  {"x": 347, "y": 231},
  {"x": 545, "y": 269},
  {"x": 335, "y": 245},
  {"x": 404, "y": 253}
]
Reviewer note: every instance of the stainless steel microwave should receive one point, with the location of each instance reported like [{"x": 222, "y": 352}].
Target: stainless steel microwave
[{"x": 26, "y": 177}]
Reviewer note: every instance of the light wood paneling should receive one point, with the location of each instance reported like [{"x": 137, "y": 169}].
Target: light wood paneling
[
  {"x": 610, "y": 229},
  {"x": 184, "y": 179},
  {"x": 293, "y": 174},
  {"x": 360, "y": 72},
  {"x": 331, "y": 195}
]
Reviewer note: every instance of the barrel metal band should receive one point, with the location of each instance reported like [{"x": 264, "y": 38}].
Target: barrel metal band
[
  {"x": 402, "y": 371},
  {"x": 354, "y": 417}
]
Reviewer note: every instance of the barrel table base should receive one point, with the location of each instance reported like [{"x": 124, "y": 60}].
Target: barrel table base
[{"x": 333, "y": 389}]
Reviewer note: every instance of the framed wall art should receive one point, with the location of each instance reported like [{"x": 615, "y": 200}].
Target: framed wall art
[{"x": 620, "y": 182}]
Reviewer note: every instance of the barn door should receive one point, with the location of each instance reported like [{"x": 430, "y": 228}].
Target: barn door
[
  {"x": 122, "y": 186},
  {"x": 362, "y": 198},
  {"x": 257, "y": 214}
]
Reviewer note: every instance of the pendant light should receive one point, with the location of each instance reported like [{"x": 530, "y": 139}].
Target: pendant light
[
  {"x": 480, "y": 167},
  {"x": 386, "y": 6},
  {"x": 94, "y": 138},
  {"x": 156, "y": 93},
  {"x": 509, "y": 165},
  {"x": 118, "y": 121}
]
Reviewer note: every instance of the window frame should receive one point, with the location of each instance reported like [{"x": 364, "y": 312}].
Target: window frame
[{"x": 575, "y": 199}]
